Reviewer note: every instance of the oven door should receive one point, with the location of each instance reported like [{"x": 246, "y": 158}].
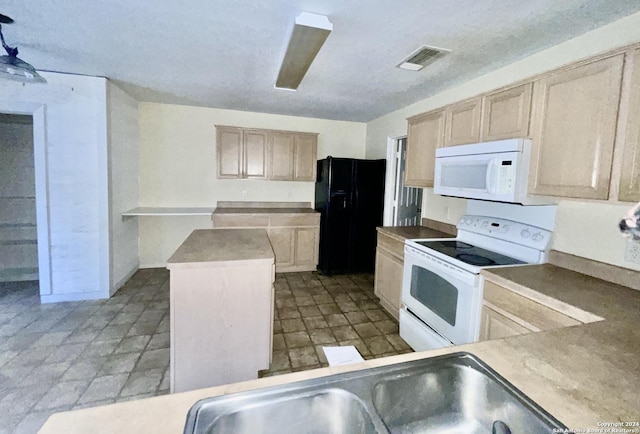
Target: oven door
[{"x": 442, "y": 295}]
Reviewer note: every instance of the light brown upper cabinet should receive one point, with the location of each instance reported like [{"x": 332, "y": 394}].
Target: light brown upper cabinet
[
  {"x": 574, "y": 128},
  {"x": 305, "y": 155},
  {"x": 463, "y": 123},
  {"x": 242, "y": 153},
  {"x": 506, "y": 114},
  {"x": 281, "y": 146},
  {"x": 292, "y": 156},
  {"x": 630, "y": 173},
  {"x": 266, "y": 154},
  {"x": 425, "y": 133}
]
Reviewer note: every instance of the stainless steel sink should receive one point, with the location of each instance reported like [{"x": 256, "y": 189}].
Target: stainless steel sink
[{"x": 455, "y": 393}]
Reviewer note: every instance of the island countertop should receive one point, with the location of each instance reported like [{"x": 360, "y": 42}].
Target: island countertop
[
  {"x": 206, "y": 246},
  {"x": 583, "y": 375}
]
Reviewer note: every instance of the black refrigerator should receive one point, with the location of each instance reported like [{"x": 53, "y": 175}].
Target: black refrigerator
[{"x": 350, "y": 199}]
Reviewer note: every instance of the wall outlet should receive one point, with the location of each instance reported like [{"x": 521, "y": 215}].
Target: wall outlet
[{"x": 632, "y": 252}]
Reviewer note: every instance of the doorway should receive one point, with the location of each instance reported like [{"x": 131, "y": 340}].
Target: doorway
[
  {"x": 406, "y": 202},
  {"x": 18, "y": 231}
]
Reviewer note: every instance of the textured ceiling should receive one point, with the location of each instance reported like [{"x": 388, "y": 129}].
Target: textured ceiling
[{"x": 226, "y": 54}]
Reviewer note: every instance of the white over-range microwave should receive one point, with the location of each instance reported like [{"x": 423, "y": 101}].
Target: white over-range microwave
[{"x": 496, "y": 171}]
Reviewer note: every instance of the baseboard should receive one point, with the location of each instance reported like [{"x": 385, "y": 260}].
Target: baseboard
[
  {"x": 161, "y": 265},
  {"x": 75, "y": 296}
]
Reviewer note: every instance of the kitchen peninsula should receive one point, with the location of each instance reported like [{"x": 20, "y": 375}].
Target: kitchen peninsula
[
  {"x": 583, "y": 375},
  {"x": 221, "y": 305}
]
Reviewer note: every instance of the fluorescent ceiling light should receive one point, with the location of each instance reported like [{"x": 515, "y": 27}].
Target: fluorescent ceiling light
[
  {"x": 12, "y": 67},
  {"x": 309, "y": 33}
]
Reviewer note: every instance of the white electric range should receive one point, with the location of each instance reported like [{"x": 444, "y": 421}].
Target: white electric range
[{"x": 442, "y": 286}]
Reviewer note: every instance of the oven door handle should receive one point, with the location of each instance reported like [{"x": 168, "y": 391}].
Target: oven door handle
[{"x": 434, "y": 265}]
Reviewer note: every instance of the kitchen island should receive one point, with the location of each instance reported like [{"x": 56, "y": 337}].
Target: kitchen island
[
  {"x": 583, "y": 375},
  {"x": 221, "y": 307}
]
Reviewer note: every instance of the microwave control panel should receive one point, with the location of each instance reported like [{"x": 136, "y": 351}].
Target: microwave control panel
[{"x": 506, "y": 177}]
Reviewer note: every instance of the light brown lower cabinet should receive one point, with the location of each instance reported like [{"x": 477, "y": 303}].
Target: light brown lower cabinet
[
  {"x": 296, "y": 249},
  {"x": 388, "y": 273},
  {"x": 294, "y": 237},
  {"x": 506, "y": 313}
]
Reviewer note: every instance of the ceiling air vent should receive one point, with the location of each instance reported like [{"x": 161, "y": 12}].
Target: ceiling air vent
[{"x": 422, "y": 57}]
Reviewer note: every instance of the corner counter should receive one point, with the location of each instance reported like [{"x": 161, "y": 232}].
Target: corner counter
[{"x": 584, "y": 375}]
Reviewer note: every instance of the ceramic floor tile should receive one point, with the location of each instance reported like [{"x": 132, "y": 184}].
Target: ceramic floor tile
[
  {"x": 293, "y": 325},
  {"x": 344, "y": 333},
  {"x": 315, "y": 322},
  {"x": 103, "y": 351},
  {"x": 151, "y": 359},
  {"x": 366, "y": 330},
  {"x": 63, "y": 394},
  {"x": 297, "y": 339},
  {"x": 141, "y": 382},
  {"x": 336, "y": 319},
  {"x": 159, "y": 340},
  {"x": 305, "y": 356},
  {"x": 322, "y": 336}
]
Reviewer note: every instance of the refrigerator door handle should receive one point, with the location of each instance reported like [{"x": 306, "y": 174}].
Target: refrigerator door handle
[{"x": 344, "y": 203}]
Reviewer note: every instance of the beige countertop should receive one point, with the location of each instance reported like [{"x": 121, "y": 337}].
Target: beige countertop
[
  {"x": 240, "y": 210},
  {"x": 401, "y": 233},
  {"x": 207, "y": 246},
  {"x": 583, "y": 375}
]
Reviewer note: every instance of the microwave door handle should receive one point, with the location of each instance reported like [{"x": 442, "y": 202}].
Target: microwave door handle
[{"x": 490, "y": 171}]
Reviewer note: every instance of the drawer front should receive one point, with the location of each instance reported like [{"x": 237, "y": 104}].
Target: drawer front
[
  {"x": 391, "y": 244},
  {"x": 294, "y": 220},
  {"x": 526, "y": 309},
  {"x": 240, "y": 220}
]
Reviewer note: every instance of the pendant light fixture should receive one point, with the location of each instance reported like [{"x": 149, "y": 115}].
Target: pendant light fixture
[{"x": 12, "y": 67}]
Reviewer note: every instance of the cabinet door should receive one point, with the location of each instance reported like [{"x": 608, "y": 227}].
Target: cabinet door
[
  {"x": 229, "y": 150},
  {"x": 506, "y": 114},
  {"x": 304, "y": 163},
  {"x": 574, "y": 131},
  {"x": 282, "y": 241},
  {"x": 388, "y": 281},
  {"x": 425, "y": 133},
  {"x": 255, "y": 154},
  {"x": 463, "y": 123},
  {"x": 306, "y": 246},
  {"x": 281, "y": 147},
  {"x": 497, "y": 326},
  {"x": 630, "y": 175}
]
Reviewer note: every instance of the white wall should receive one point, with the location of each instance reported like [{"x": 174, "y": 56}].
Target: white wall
[
  {"x": 71, "y": 181},
  {"x": 178, "y": 167},
  {"x": 18, "y": 248},
  {"x": 123, "y": 184},
  {"x": 584, "y": 229}
]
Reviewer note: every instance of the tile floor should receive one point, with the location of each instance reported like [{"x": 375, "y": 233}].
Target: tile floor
[
  {"x": 64, "y": 356},
  {"x": 313, "y": 311}
]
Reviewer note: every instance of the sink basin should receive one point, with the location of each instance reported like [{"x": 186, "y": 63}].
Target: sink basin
[
  {"x": 316, "y": 411},
  {"x": 453, "y": 399},
  {"x": 454, "y": 393}
]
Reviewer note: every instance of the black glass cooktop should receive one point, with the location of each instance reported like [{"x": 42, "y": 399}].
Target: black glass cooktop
[{"x": 470, "y": 254}]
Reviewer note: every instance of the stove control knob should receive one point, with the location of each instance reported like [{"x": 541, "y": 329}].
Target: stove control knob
[
  {"x": 525, "y": 233},
  {"x": 537, "y": 236},
  {"x": 469, "y": 221}
]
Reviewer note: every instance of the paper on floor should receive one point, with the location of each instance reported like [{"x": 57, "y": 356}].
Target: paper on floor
[{"x": 342, "y": 355}]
